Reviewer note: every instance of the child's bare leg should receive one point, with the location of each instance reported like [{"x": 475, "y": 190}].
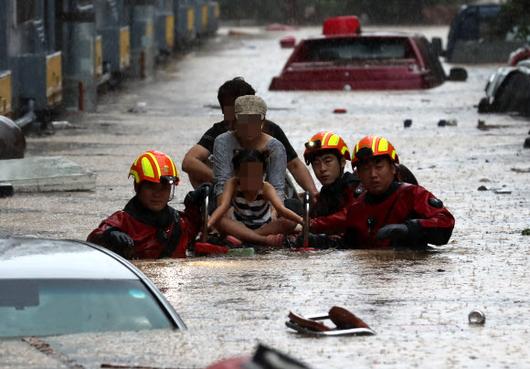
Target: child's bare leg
[
  {"x": 237, "y": 229},
  {"x": 277, "y": 226}
]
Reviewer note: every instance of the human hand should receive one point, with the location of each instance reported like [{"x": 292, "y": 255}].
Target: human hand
[
  {"x": 197, "y": 196},
  {"x": 393, "y": 232},
  {"x": 120, "y": 242}
]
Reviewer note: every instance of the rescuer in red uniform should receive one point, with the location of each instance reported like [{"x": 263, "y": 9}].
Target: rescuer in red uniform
[
  {"x": 388, "y": 213},
  {"x": 148, "y": 228},
  {"x": 327, "y": 153}
]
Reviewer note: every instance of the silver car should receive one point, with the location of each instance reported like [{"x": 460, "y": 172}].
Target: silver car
[
  {"x": 508, "y": 90},
  {"x": 56, "y": 287}
]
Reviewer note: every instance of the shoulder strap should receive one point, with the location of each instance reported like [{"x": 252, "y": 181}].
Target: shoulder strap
[{"x": 170, "y": 243}]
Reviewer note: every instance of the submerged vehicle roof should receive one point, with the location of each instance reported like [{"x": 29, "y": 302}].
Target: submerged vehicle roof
[
  {"x": 390, "y": 34},
  {"x": 361, "y": 61},
  {"x": 28, "y": 258}
]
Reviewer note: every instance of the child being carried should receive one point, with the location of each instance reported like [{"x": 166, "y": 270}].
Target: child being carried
[{"x": 252, "y": 199}]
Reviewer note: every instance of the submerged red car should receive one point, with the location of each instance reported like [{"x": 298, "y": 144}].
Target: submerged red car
[{"x": 344, "y": 58}]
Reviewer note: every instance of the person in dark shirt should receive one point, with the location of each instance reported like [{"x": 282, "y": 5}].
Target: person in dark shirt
[
  {"x": 196, "y": 160},
  {"x": 327, "y": 153},
  {"x": 388, "y": 213}
]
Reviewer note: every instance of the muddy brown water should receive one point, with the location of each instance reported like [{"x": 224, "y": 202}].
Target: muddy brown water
[{"x": 416, "y": 302}]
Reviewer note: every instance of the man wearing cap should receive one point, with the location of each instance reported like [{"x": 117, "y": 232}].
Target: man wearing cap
[
  {"x": 250, "y": 111},
  {"x": 389, "y": 213},
  {"x": 196, "y": 160}
]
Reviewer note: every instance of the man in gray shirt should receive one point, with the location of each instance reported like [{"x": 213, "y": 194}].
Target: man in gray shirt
[{"x": 250, "y": 111}]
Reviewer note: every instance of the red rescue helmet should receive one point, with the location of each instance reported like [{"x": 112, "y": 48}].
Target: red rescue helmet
[
  {"x": 325, "y": 140},
  {"x": 154, "y": 166},
  {"x": 371, "y": 146}
]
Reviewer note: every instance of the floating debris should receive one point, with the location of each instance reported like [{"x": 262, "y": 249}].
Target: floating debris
[
  {"x": 476, "y": 317},
  {"x": 6, "y": 190},
  {"x": 448, "y": 122},
  {"x": 61, "y": 124},
  {"x": 140, "y": 107},
  {"x": 502, "y": 192},
  {"x": 407, "y": 123},
  {"x": 520, "y": 170},
  {"x": 484, "y": 127},
  {"x": 346, "y": 323}
]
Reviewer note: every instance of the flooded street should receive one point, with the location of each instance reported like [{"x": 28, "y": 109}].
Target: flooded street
[{"x": 417, "y": 303}]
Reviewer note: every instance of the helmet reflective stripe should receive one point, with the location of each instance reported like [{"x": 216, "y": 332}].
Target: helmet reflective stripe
[
  {"x": 333, "y": 140},
  {"x": 324, "y": 138},
  {"x": 175, "y": 171},
  {"x": 377, "y": 145},
  {"x": 135, "y": 176},
  {"x": 155, "y": 162},
  {"x": 152, "y": 166},
  {"x": 383, "y": 145},
  {"x": 147, "y": 168},
  {"x": 327, "y": 141}
]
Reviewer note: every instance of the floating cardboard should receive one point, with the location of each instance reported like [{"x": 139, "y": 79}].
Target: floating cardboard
[{"x": 48, "y": 173}]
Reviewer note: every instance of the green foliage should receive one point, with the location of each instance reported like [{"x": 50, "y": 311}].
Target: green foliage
[
  {"x": 301, "y": 11},
  {"x": 515, "y": 14}
]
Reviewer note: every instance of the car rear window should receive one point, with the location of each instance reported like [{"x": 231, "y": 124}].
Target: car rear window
[
  {"x": 365, "y": 49},
  {"x": 57, "y": 306}
]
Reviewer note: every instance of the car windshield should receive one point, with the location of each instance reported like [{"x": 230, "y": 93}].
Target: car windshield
[
  {"x": 47, "y": 307},
  {"x": 358, "y": 49}
]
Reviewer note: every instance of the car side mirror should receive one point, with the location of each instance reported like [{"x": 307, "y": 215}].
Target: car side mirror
[
  {"x": 457, "y": 75},
  {"x": 288, "y": 42},
  {"x": 437, "y": 46}
]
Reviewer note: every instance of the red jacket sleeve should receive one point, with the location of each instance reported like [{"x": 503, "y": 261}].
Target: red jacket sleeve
[
  {"x": 435, "y": 222},
  {"x": 331, "y": 224},
  {"x": 113, "y": 221}
]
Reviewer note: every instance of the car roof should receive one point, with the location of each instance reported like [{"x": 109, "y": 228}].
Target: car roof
[
  {"x": 25, "y": 258},
  {"x": 365, "y": 35}
]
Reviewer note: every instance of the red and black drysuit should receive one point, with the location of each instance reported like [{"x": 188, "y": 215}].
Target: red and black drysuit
[
  {"x": 336, "y": 196},
  {"x": 166, "y": 233},
  {"x": 332, "y": 199},
  {"x": 415, "y": 209}
]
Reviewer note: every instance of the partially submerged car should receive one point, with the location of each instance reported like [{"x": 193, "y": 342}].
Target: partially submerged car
[
  {"x": 508, "y": 89},
  {"x": 474, "y": 37},
  {"x": 56, "y": 287},
  {"x": 344, "y": 58}
]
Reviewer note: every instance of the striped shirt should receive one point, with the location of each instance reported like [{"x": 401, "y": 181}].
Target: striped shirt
[{"x": 254, "y": 213}]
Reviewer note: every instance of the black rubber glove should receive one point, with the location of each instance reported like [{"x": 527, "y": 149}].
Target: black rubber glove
[
  {"x": 115, "y": 237},
  {"x": 120, "y": 242},
  {"x": 196, "y": 197},
  {"x": 317, "y": 241},
  {"x": 394, "y": 232}
]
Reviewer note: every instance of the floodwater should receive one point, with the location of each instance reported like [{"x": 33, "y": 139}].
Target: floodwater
[{"x": 416, "y": 302}]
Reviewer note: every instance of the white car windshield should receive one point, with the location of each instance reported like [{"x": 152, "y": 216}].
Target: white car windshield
[{"x": 45, "y": 307}]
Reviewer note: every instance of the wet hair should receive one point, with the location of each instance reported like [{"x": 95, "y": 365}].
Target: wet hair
[
  {"x": 249, "y": 156},
  {"x": 232, "y": 89},
  {"x": 312, "y": 156}
]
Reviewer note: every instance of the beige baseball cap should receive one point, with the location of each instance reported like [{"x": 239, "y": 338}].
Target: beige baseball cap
[{"x": 250, "y": 104}]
